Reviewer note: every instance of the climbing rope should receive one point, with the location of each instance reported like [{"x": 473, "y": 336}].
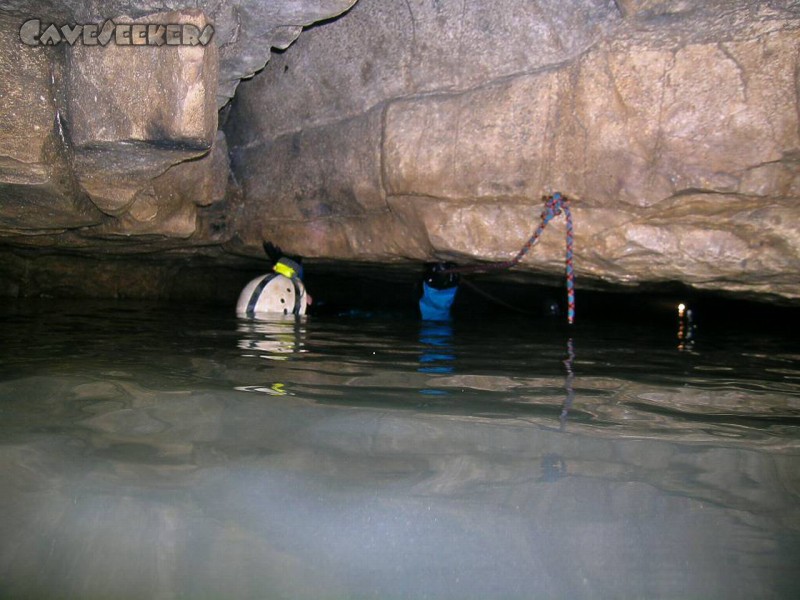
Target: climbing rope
[{"x": 554, "y": 206}]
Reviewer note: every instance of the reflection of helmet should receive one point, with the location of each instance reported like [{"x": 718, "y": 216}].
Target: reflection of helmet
[
  {"x": 271, "y": 336},
  {"x": 437, "y": 277},
  {"x": 272, "y": 293}
]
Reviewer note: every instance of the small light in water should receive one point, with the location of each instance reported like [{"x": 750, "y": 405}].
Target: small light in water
[{"x": 681, "y": 309}]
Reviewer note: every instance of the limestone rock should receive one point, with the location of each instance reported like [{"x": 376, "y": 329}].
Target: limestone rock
[
  {"x": 245, "y": 31},
  {"x": 383, "y": 50},
  {"x": 410, "y": 130},
  {"x": 672, "y": 126},
  {"x": 36, "y": 186},
  {"x": 136, "y": 110},
  {"x": 111, "y": 142},
  {"x": 167, "y": 206},
  {"x": 28, "y": 109},
  {"x": 249, "y": 29},
  {"x": 494, "y": 142},
  {"x": 150, "y": 94},
  {"x": 345, "y": 181}
]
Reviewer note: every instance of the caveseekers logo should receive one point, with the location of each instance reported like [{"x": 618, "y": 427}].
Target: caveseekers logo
[{"x": 33, "y": 33}]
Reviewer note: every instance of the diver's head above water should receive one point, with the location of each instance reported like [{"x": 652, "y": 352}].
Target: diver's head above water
[
  {"x": 280, "y": 292},
  {"x": 439, "y": 288},
  {"x": 440, "y": 275}
]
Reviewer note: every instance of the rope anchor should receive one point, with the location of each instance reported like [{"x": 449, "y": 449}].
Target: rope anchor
[{"x": 554, "y": 206}]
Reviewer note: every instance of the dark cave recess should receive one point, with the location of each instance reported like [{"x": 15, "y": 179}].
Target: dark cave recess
[{"x": 367, "y": 289}]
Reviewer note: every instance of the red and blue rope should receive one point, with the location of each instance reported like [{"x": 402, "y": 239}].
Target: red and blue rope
[{"x": 554, "y": 206}]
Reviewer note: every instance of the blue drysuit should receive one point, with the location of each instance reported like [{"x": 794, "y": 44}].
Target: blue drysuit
[{"x": 435, "y": 304}]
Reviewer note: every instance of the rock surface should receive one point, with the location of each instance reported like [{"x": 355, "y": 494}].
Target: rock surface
[
  {"x": 114, "y": 148},
  {"x": 416, "y": 130},
  {"x": 244, "y": 30},
  {"x": 422, "y": 130},
  {"x": 133, "y": 112},
  {"x": 37, "y": 190}
]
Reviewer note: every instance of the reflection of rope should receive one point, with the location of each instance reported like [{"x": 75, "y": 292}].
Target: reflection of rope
[
  {"x": 554, "y": 206},
  {"x": 568, "y": 385}
]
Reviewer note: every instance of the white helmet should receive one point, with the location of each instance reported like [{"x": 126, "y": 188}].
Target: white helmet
[{"x": 272, "y": 294}]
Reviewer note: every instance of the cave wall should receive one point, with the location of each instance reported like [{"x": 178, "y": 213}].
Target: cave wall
[
  {"x": 113, "y": 148},
  {"x": 422, "y": 129},
  {"x": 111, "y": 151},
  {"x": 406, "y": 130}
]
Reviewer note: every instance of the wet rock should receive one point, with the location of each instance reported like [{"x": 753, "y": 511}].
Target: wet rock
[
  {"x": 134, "y": 111},
  {"x": 672, "y": 126},
  {"x": 384, "y": 50},
  {"x": 91, "y": 127},
  {"x": 36, "y": 185},
  {"x": 28, "y": 109},
  {"x": 248, "y": 30},
  {"x": 345, "y": 183},
  {"x": 407, "y": 130},
  {"x": 159, "y": 95},
  {"x": 245, "y": 31},
  {"x": 167, "y": 205},
  {"x": 104, "y": 143}
]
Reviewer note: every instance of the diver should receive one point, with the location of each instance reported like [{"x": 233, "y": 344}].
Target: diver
[
  {"x": 439, "y": 289},
  {"x": 280, "y": 292}
]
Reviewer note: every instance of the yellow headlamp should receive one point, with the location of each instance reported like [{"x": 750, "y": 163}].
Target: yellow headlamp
[{"x": 285, "y": 267}]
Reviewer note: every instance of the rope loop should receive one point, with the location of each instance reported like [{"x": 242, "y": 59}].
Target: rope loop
[{"x": 554, "y": 206}]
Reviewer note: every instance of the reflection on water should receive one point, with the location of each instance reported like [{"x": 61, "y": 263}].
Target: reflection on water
[
  {"x": 568, "y": 384},
  {"x": 436, "y": 357},
  {"x": 273, "y": 339},
  {"x": 147, "y": 453},
  {"x": 436, "y": 340},
  {"x": 686, "y": 328}
]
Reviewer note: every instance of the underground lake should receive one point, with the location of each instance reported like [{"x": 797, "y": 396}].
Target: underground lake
[
  {"x": 148, "y": 450},
  {"x": 166, "y": 165}
]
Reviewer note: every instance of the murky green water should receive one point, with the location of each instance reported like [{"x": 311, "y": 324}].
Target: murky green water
[{"x": 147, "y": 453}]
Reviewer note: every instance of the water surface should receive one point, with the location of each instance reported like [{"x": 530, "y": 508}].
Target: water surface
[{"x": 146, "y": 452}]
